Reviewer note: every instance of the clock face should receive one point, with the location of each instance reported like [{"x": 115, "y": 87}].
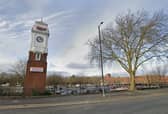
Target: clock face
[{"x": 39, "y": 39}]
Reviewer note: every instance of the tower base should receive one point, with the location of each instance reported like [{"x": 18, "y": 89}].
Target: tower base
[{"x": 35, "y": 80}]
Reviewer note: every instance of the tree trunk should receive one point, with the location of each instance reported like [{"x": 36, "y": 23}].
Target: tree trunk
[{"x": 132, "y": 82}]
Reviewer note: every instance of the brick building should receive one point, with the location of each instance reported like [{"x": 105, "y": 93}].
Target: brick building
[{"x": 109, "y": 80}]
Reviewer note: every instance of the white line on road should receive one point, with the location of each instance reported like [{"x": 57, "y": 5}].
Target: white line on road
[{"x": 23, "y": 106}]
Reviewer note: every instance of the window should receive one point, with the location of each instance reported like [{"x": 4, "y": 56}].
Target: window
[{"x": 37, "y": 56}]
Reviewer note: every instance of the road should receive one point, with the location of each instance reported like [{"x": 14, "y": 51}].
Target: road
[{"x": 155, "y": 103}]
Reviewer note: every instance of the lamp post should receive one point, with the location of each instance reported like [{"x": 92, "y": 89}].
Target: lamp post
[{"x": 101, "y": 58}]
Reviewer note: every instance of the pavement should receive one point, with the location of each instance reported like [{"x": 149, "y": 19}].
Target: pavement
[
  {"x": 10, "y": 103},
  {"x": 15, "y": 100}
]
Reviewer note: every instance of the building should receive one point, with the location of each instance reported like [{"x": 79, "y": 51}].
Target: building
[
  {"x": 35, "y": 79},
  {"x": 143, "y": 80}
]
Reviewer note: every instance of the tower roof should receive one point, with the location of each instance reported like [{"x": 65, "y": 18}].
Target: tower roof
[
  {"x": 41, "y": 23},
  {"x": 40, "y": 27}
]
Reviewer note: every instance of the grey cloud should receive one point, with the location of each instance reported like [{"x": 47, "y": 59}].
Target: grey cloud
[
  {"x": 51, "y": 65},
  {"x": 60, "y": 73},
  {"x": 79, "y": 66}
]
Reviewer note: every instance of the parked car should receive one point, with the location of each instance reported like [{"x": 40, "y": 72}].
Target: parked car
[{"x": 92, "y": 90}]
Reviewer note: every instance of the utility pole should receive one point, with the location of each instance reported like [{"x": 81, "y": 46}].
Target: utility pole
[{"x": 101, "y": 59}]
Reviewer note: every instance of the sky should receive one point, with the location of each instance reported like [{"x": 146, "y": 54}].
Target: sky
[{"x": 71, "y": 23}]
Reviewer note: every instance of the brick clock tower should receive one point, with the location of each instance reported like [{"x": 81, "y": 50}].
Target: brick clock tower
[{"x": 35, "y": 79}]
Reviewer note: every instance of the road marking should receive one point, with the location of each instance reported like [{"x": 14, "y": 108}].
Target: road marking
[{"x": 109, "y": 99}]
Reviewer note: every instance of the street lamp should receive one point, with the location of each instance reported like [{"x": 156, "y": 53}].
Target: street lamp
[{"x": 101, "y": 58}]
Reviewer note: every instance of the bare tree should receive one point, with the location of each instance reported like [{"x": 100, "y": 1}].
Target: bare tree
[
  {"x": 55, "y": 80},
  {"x": 19, "y": 69},
  {"x": 134, "y": 39},
  {"x": 160, "y": 70},
  {"x": 157, "y": 74}
]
